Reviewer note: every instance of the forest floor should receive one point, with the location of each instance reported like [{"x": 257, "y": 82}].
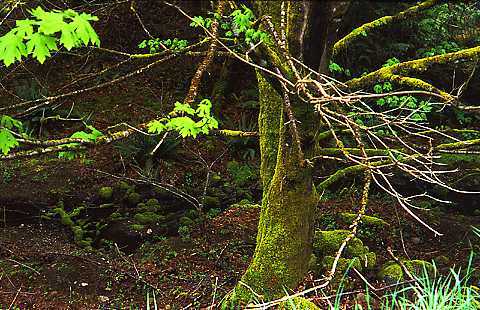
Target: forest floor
[{"x": 42, "y": 268}]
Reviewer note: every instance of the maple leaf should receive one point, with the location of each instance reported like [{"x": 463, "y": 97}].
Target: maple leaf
[
  {"x": 84, "y": 30},
  {"x": 40, "y": 46},
  {"x": 156, "y": 127},
  {"x": 11, "y": 48},
  {"x": 7, "y": 141}
]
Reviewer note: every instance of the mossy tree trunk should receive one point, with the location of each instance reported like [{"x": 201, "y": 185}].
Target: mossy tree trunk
[{"x": 285, "y": 230}]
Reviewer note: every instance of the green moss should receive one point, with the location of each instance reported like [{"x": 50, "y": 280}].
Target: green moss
[
  {"x": 123, "y": 186},
  {"x": 146, "y": 218},
  {"x": 105, "y": 193},
  {"x": 133, "y": 199},
  {"x": 115, "y": 216},
  {"x": 186, "y": 221},
  {"x": 366, "y": 220},
  {"x": 327, "y": 242},
  {"x": 211, "y": 202},
  {"x": 416, "y": 267},
  {"x": 106, "y": 205},
  {"x": 192, "y": 213},
  {"x": 137, "y": 227},
  {"x": 390, "y": 270},
  {"x": 342, "y": 265},
  {"x": 368, "y": 260},
  {"x": 245, "y": 204},
  {"x": 297, "y": 303},
  {"x": 419, "y": 267}
]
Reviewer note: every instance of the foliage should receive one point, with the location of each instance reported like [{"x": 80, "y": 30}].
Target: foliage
[
  {"x": 7, "y": 139},
  {"x": 87, "y": 136},
  {"x": 41, "y": 35},
  {"x": 238, "y": 25},
  {"x": 154, "y": 45},
  {"x": 185, "y": 125}
]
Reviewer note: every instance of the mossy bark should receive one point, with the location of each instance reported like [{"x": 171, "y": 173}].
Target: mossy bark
[{"x": 285, "y": 230}]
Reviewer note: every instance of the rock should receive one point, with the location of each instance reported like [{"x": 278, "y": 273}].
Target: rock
[
  {"x": 186, "y": 221},
  {"x": 127, "y": 239},
  {"x": 327, "y": 242},
  {"x": 368, "y": 221},
  {"x": 105, "y": 193},
  {"x": 441, "y": 260},
  {"x": 148, "y": 217},
  {"x": 390, "y": 271},
  {"x": 133, "y": 199},
  {"x": 210, "y": 202}
]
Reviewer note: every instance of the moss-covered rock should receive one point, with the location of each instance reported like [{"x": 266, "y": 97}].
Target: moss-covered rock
[
  {"x": 210, "y": 202},
  {"x": 390, "y": 271},
  {"x": 393, "y": 271},
  {"x": 146, "y": 218},
  {"x": 153, "y": 205},
  {"x": 133, "y": 199},
  {"x": 105, "y": 193},
  {"x": 192, "y": 213},
  {"x": 367, "y": 221},
  {"x": 326, "y": 242},
  {"x": 297, "y": 303},
  {"x": 115, "y": 216},
  {"x": 186, "y": 221},
  {"x": 137, "y": 227},
  {"x": 368, "y": 260},
  {"x": 342, "y": 265}
]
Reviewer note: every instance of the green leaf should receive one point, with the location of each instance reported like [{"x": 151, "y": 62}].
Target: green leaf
[
  {"x": 156, "y": 127},
  {"x": 84, "y": 30},
  {"x": 51, "y": 22},
  {"x": 183, "y": 107},
  {"x": 9, "y": 122},
  {"x": 7, "y": 141},
  {"x": 11, "y": 48},
  {"x": 387, "y": 86},
  {"x": 24, "y": 28},
  {"x": 40, "y": 46},
  {"x": 381, "y": 102},
  {"x": 68, "y": 37},
  {"x": 378, "y": 89}
]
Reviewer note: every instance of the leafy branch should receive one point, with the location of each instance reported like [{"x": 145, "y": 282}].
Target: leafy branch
[{"x": 41, "y": 35}]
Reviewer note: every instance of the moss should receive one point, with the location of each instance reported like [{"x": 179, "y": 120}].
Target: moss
[
  {"x": 186, "y": 221},
  {"x": 106, "y": 205},
  {"x": 342, "y": 265},
  {"x": 133, "y": 199},
  {"x": 245, "y": 204},
  {"x": 390, "y": 271},
  {"x": 105, "y": 193},
  {"x": 393, "y": 270},
  {"x": 146, "y": 218},
  {"x": 366, "y": 220},
  {"x": 192, "y": 213},
  {"x": 419, "y": 267},
  {"x": 441, "y": 260},
  {"x": 211, "y": 202},
  {"x": 137, "y": 227},
  {"x": 115, "y": 216},
  {"x": 368, "y": 260},
  {"x": 327, "y": 242},
  {"x": 123, "y": 186},
  {"x": 297, "y": 303}
]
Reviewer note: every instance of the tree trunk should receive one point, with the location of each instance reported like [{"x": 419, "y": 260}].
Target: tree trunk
[{"x": 285, "y": 230}]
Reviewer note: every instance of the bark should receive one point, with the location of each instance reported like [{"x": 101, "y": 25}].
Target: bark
[{"x": 285, "y": 230}]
